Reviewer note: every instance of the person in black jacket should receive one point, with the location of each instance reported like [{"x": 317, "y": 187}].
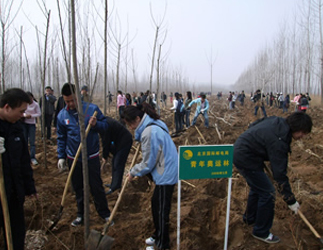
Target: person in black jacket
[
  {"x": 17, "y": 172},
  {"x": 50, "y": 100},
  {"x": 268, "y": 139},
  {"x": 118, "y": 140}
]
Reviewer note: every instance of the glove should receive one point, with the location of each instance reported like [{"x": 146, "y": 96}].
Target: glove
[
  {"x": 2, "y": 148},
  {"x": 294, "y": 207},
  {"x": 202, "y": 111},
  {"x": 61, "y": 164}
]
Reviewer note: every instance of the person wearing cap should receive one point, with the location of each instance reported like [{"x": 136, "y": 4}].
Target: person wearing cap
[
  {"x": 50, "y": 100},
  {"x": 201, "y": 108},
  {"x": 85, "y": 97}
]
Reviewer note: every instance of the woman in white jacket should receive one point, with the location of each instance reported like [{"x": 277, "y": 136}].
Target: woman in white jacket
[{"x": 31, "y": 113}]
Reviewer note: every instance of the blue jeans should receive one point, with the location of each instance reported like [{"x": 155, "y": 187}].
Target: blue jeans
[
  {"x": 187, "y": 117},
  {"x": 263, "y": 110},
  {"x": 30, "y": 133},
  {"x": 206, "y": 118},
  {"x": 261, "y": 201}
]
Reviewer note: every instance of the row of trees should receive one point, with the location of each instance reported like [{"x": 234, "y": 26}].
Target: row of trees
[
  {"x": 104, "y": 51},
  {"x": 293, "y": 62}
]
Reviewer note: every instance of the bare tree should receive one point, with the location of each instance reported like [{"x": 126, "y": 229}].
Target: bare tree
[
  {"x": 82, "y": 128},
  {"x": 211, "y": 62},
  {"x": 6, "y": 21}
]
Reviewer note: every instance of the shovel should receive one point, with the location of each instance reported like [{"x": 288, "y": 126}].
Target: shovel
[
  {"x": 98, "y": 240},
  {"x": 60, "y": 212},
  {"x": 310, "y": 226},
  {"x": 5, "y": 209}
]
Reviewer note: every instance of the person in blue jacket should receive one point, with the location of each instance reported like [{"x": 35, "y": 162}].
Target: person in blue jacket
[
  {"x": 160, "y": 159},
  {"x": 201, "y": 108},
  {"x": 68, "y": 141}
]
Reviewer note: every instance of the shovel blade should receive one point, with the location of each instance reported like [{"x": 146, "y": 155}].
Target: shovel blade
[{"x": 97, "y": 241}]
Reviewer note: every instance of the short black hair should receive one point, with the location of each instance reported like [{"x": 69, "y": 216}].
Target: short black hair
[
  {"x": 300, "y": 122},
  {"x": 68, "y": 89},
  {"x": 14, "y": 98}
]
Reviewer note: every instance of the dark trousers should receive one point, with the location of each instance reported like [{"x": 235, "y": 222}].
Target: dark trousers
[
  {"x": 160, "y": 206},
  {"x": 178, "y": 122},
  {"x": 121, "y": 109},
  {"x": 118, "y": 164},
  {"x": 187, "y": 118},
  {"x": 96, "y": 187},
  {"x": 48, "y": 125},
  {"x": 261, "y": 201},
  {"x": 17, "y": 222}
]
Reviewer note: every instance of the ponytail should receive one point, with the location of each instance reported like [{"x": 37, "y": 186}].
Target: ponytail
[{"x": 131, "y": 112}]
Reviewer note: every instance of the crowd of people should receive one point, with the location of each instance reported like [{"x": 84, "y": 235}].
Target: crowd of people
[{"x": 265, "y": 139}]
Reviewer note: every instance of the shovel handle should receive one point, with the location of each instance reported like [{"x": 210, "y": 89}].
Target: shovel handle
[
  {"x": 121, "y": 193},
  {"x": 5, "y": 209},
  {"x": 74, "y": 162},
  {"x": 308, "y": 224}
]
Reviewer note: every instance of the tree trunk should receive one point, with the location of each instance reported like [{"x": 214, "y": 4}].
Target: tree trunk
[{"x": 82, "y": 129}]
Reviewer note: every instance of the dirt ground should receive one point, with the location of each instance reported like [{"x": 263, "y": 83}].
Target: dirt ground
[{"x": 203, "y": 206}]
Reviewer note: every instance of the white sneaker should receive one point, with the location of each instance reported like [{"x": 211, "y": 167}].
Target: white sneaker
[
  {"x": 150, "y": 248},
  {"x": 150, "y": 242},
  {"x": 34, "y": 161}
]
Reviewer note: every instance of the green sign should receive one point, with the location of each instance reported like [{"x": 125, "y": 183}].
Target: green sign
[{"x": 205, "y": 162}]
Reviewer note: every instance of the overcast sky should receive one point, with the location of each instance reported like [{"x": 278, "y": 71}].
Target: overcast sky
[{"x": 235, "y": 30}]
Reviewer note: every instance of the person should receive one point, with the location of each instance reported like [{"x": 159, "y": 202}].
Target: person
[
  {"x": 303, "y": 103},
  {"x": 281, "y": 100},
  {"x": 160, "y": 159},
  {"x": 128, "y": 99},
  {"x": 17, "y": 171},
  {"x": 110, "y": 97},
  {"x": 271, "y": 99},
  {"x": 187, "y": 108},
  {"x": 118, "y": 140},
  {"x": 230, "y": 100},
  {"x": 234, "y": 98},
  {"x": 50, "y": 100},
  {"x": 257, "y": 98},
  {"x": 241, "y": 97},
  {"x": 202, "y": 108},
  {"x": 177, "y": 113},
  {"x": 286, "y": 103},
  {"x": 85, "y": 97},
  {"x": 59, "y": 106},
  {"x": 268, "y": 139},
  {"x": 29, "y": 125},
  {"x": 121, "y": 101},
  {"x": 68, "y": 140}
]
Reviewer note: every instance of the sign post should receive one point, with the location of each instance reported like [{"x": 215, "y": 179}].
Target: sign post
[{"x": 204, "y": 162}]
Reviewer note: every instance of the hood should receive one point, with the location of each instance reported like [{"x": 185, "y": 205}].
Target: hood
[{"x": 145, "y": 121}]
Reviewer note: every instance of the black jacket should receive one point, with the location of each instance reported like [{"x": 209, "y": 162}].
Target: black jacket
[
  {"x": 267, "y": 139},
  {"x": 18, "y": 174},
  {"x": 115, "y": 138}
]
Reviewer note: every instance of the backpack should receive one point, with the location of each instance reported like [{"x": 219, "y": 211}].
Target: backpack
[{"x": 180, "y": 107}]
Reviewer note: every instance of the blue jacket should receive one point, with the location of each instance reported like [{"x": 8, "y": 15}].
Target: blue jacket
[
  {"x": 68, "y": 131},
  {"x": 159, "y": 153},
  {"x": 198, "y": 101}
]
